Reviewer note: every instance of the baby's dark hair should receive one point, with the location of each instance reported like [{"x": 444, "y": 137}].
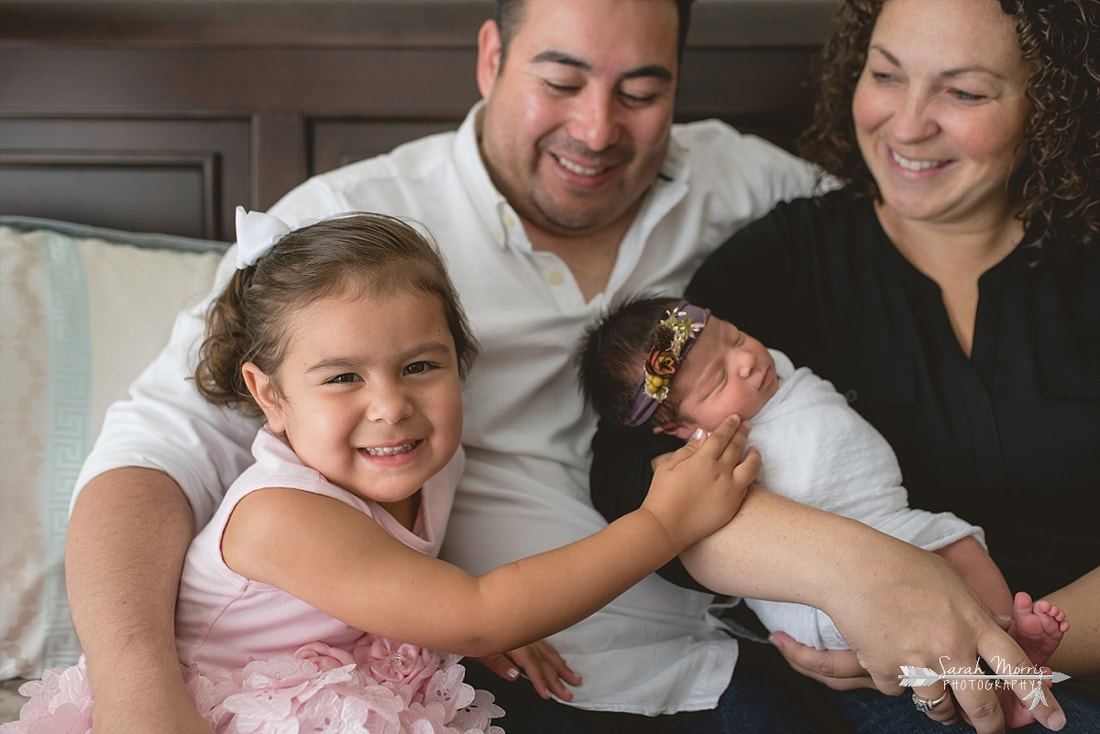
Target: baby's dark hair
[
  {"x": 612, "y": 357},
  {"x": 348, "y": 255}
]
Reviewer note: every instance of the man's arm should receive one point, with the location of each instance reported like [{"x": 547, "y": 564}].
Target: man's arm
[
  {"x": 156, "y": 473},
  {"x": 127, "y": 537}
]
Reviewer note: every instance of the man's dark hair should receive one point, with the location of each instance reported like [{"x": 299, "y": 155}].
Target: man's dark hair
[{"x": 510, "y": 13}]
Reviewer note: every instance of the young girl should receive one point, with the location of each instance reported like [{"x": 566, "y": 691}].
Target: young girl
[
  {"x": 348, "y": 337},
  {"x": 668, "y": 366}
]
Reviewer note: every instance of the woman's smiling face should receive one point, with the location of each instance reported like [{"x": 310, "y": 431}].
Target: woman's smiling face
[{"x": 940, "y": 109}]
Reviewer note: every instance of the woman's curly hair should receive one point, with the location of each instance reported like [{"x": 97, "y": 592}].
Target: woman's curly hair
[{"x": 1058, "y": 181}]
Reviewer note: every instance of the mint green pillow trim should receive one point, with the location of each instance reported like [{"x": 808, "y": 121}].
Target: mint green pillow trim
[{"x": 69, "y": 399}]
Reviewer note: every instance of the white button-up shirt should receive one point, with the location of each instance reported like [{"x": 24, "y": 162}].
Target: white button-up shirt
[{"x": 527, "y": 432}]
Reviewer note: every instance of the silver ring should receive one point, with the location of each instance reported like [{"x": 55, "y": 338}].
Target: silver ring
[{"x": 924, "y": 705}]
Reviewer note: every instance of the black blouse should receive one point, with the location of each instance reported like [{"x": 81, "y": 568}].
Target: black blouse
[{"x": 1007, "y": 438}]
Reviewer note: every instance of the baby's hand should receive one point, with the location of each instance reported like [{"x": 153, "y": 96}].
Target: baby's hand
[
  {"x": 543, "y": 666},
  {"x": 700, "y": 487}
]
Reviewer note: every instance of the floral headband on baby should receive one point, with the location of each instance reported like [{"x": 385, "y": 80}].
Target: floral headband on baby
[
  {"x": 257, "y": 233},
  {"x": 674, "y": 336}
]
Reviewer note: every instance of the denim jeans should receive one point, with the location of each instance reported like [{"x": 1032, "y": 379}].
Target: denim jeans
[
  {"x": 764, "y": 697},
  {"x": 873, "y": 713}
]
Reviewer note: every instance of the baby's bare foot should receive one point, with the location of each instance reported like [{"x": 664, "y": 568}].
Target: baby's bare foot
[{"x": 1037, "y": 627}]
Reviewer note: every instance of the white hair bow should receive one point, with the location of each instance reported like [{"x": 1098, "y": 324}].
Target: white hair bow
[{"x": 257, "y": 233}]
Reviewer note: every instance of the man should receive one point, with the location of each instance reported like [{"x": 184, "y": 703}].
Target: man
[{"x": 567, "y": 188}]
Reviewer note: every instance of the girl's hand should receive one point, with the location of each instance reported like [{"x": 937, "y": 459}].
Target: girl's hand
[
  {"x": 700, "y": 486},
  {"x": 544, "y": 667}
]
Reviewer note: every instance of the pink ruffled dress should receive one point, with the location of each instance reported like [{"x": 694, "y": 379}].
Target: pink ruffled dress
[{"x": 260, "y": 661}]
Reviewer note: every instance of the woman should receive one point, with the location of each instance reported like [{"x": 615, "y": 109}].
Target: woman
[{"x": 951, "y": 290}]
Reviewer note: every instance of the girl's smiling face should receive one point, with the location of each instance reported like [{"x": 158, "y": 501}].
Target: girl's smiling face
[
  {"x": 940, "y": 109},
  {"x": 368, "y": 393}
]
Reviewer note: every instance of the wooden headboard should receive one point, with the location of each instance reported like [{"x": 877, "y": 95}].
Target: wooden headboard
[{"x": 162, "y": 116}]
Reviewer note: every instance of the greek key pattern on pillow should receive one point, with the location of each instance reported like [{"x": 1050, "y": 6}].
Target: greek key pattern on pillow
[
  {"x": 70, "y": 395},
  {"x": 82, "y": 312}
]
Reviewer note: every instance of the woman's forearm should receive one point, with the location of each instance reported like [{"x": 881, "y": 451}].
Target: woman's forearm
[
  {"x": 776, "y": 549},
  {"x": 894, "y": 603}
]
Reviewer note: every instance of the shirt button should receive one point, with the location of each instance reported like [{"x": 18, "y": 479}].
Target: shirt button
[
  {"x": 555, "y": 277},
  {"x": 851, "y": 396},
  {"x": 509, "y": 220}
]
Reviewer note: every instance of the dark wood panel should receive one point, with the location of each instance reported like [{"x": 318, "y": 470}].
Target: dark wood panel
[
  {"x": 759, "y": 23},
  {"x": 279, "y": 90},
  {"x": 151, "y": 193},
  {"x": 179, "y": 176},
  {"x": 377, "y": 23},
  {"x": 763, "y": 91},
  {"x": 337, "y": 142},
  {"x": 192, "y": 107},
  {"x": 176, "y": 80}
]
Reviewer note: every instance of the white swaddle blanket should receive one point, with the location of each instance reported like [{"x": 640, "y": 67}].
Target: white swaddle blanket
[{"x": 819, "y": 451}]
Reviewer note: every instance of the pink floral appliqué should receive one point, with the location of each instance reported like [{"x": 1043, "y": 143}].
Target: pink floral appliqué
[{"x": 380, "y": 686}]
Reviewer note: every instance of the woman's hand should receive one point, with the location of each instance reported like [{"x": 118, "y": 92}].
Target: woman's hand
[
  {"x": 912, "y": 608},
  {"x": 544, "y": 668}
]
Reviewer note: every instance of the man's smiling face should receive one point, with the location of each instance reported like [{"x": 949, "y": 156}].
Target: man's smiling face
[{"x": 578, "y": 114}]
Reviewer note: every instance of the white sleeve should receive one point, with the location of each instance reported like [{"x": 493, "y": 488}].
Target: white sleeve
[{"x": 750, "y": 173}]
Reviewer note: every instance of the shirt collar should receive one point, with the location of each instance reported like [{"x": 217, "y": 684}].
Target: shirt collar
[
  {"x": 676, "y": 166},
  {"x": 489, "y": 203}
]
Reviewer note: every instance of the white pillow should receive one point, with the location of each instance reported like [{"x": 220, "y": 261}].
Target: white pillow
[{"x": 82, "y": 311}]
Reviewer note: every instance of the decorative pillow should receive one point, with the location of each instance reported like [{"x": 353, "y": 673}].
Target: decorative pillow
[{"x": 84, "y": 311}]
